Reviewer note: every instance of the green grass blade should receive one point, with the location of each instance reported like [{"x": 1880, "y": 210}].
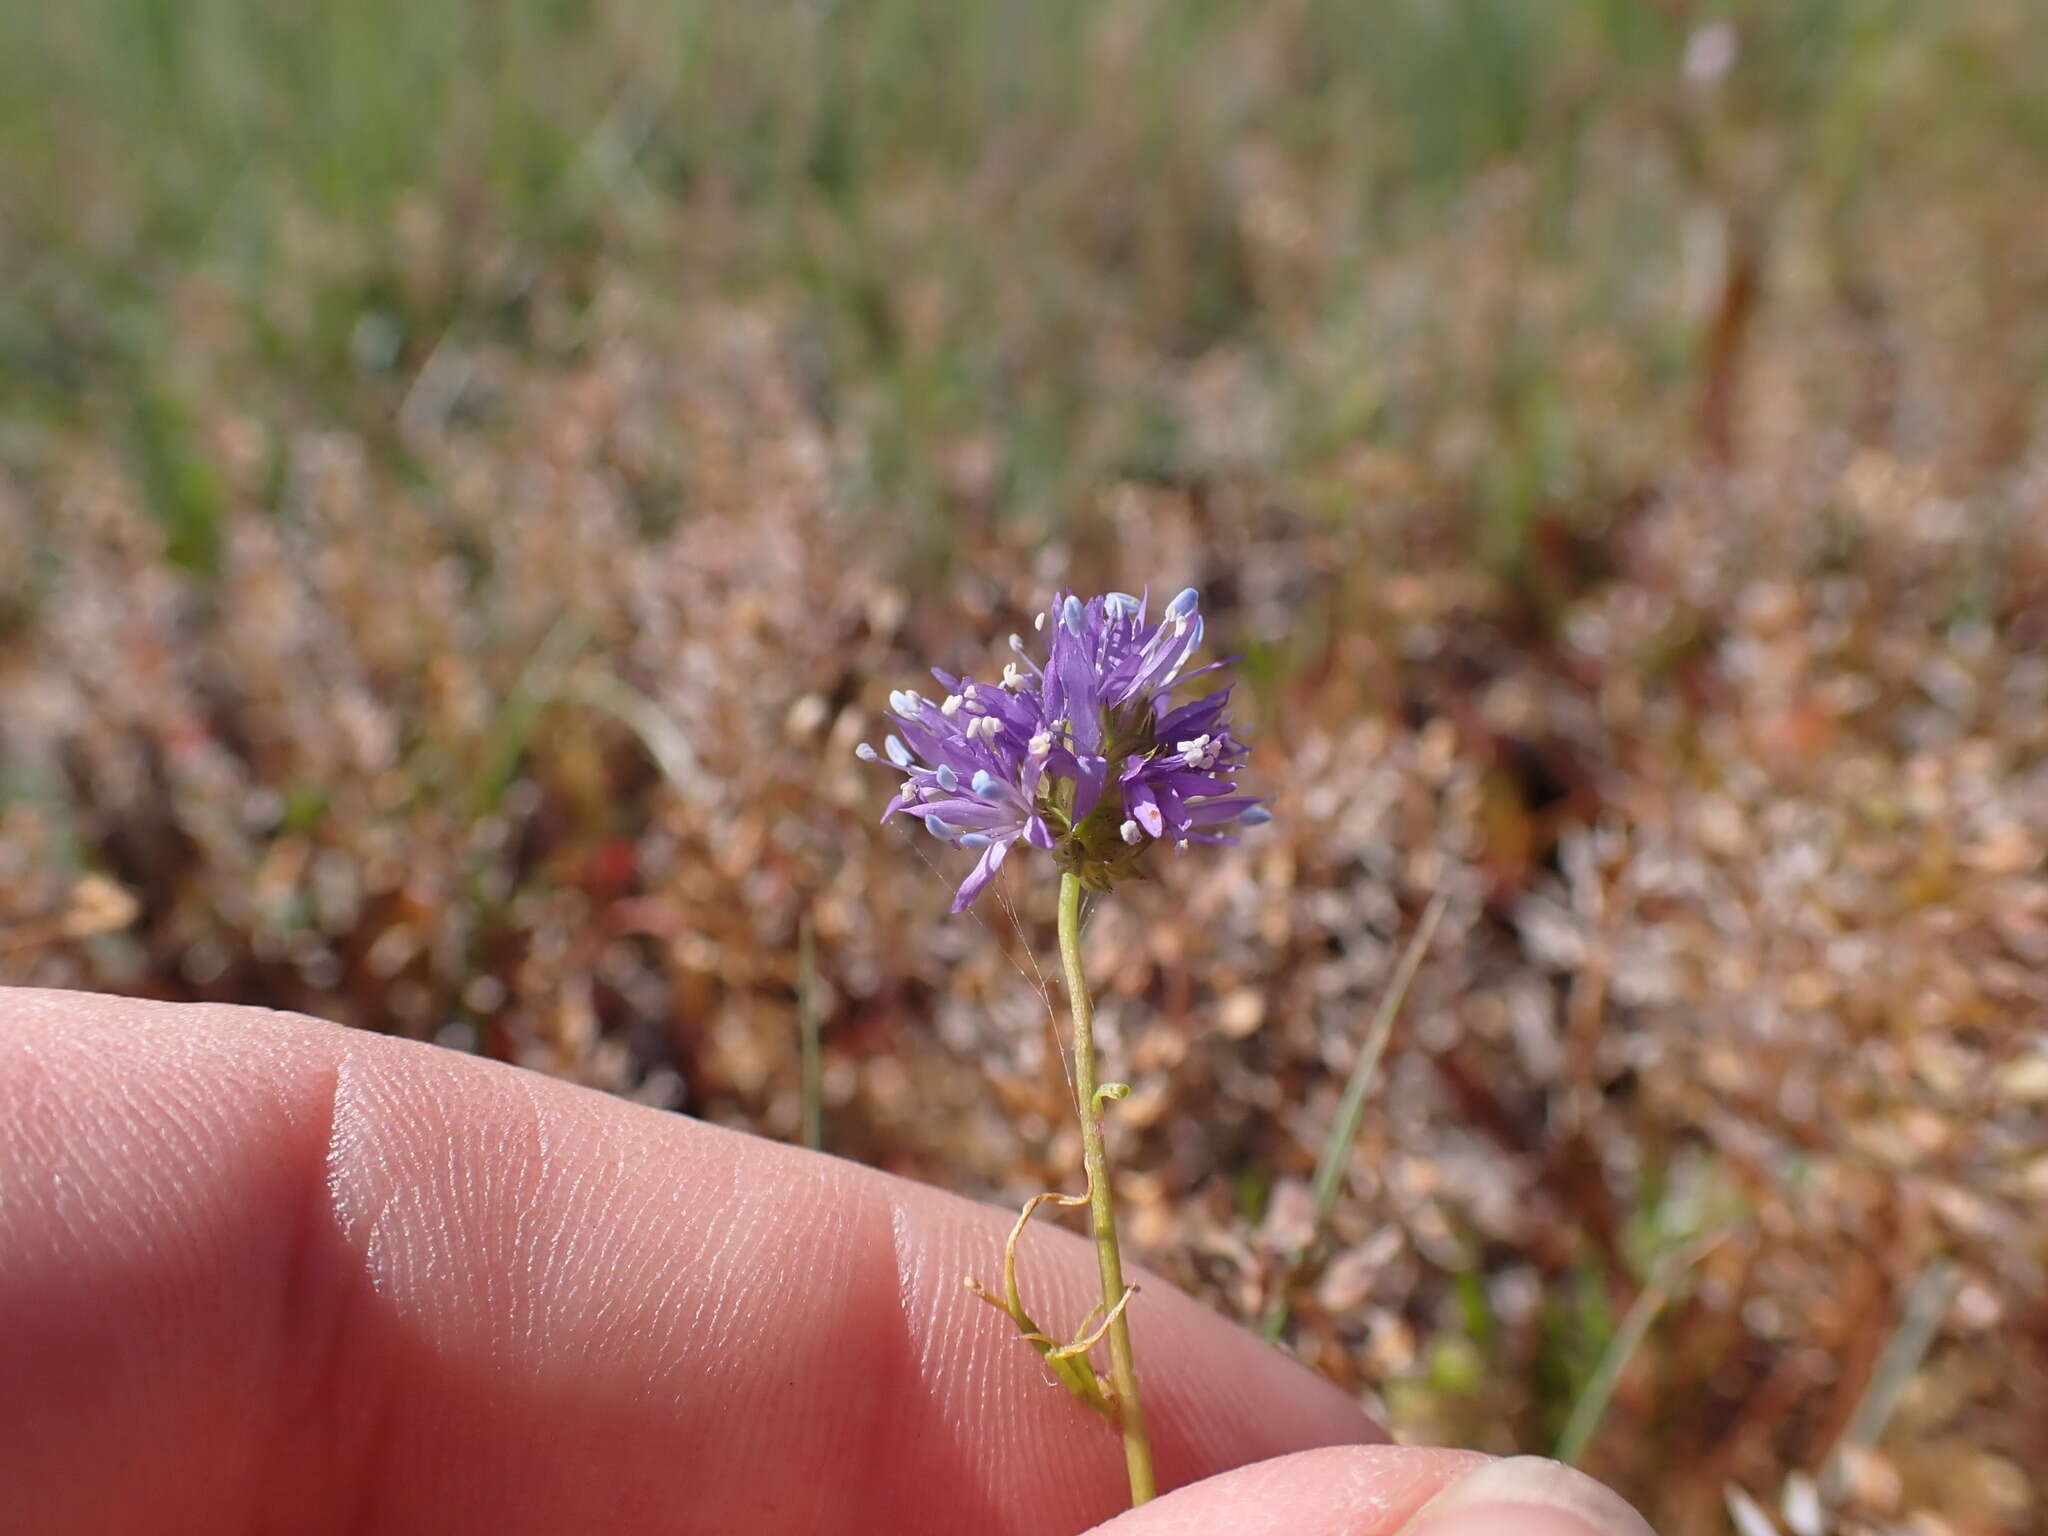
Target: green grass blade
[
  {"x": 808, "y": 1024},
  {"x": 1329, "y": 1178}
]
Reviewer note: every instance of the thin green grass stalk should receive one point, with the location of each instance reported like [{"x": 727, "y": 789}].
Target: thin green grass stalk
[
  {"x": 1329, "y": 1179},
  {"x": 539, "y": 683},
  {"x": 655, "y": 729},
  {"x": 1123, "y": 1370},
  {"x": 1344, "y": 1131},
  {"x": 1591, "y": 1407},
  {"x": 808, "y": 1024}
]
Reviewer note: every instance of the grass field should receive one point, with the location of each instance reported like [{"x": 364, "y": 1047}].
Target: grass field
[{"x": 470, "y": 473}]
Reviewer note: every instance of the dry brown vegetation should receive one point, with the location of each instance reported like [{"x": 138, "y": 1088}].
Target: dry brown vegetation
[{"x": 1653, "y": 562}]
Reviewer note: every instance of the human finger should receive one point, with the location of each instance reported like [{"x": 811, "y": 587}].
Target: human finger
[
  {"x": 259, "y": 1272},
  {"x": 1388, "y": 1490}
]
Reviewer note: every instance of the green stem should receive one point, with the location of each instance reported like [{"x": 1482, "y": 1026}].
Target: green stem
[
  {"x": 808, "y": 1029},
  {"x": 1123, "y": 1370}
]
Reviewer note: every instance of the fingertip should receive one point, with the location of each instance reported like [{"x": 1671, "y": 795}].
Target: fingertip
[
  {"x": 1527, "y": 1496},
  {"x": 1353, "y": 1490},
  {"x": 1387, "y": 1490}
]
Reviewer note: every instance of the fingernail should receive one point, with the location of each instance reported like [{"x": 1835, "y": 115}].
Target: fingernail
[{"x": 1526, "y": 1496}]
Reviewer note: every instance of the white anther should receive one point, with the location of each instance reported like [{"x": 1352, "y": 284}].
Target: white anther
[
  {"x": 952, "y": 705},
  {"x": 1131, "y": 831},
  {"x": 1199, "y": 752},
  {"x": 1013, "y": 677},
  {"x": 1041, "y": 744}
]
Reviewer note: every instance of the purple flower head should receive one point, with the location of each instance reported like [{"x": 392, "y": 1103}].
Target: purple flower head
[{"x": 1084, "y": 754}]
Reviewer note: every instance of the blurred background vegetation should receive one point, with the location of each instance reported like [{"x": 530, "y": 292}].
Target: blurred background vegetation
[{"x": 469, "y": 472}]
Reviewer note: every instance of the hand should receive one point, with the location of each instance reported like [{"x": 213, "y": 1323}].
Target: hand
[{"x": 259, "y": 1273}]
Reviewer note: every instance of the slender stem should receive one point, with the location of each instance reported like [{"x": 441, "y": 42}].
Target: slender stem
[
  {"x": 1123, "y": 1370},
  {"x": 1329, "y": 1181},
  {"x": 808, "y": 1027}
]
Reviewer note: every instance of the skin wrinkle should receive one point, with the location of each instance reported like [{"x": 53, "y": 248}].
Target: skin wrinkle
[
  {"x": 400, "y": 1238},
  {"x": 448, "y": 1287},
  {"x": 309, "y": 1320},
  {"x": 593, "y": 1247},
  {"x": 520, "y": 1291},
  {"x": 365, "y": 1192},
  {"x": 908, "y": 1256},
  {"x": 743, "y": 1224},
  {"x": 1206, "y": 1421},
  {"x": 606, "y": 1248},
  {"x": 860, "y": 1227},
  {"x": 374, "y": 1408},
  {"x": 714, "y": 1316},
  {"x": 41, "y": 1240},
  {"x": 662, "y": 1301},
  {"x": 549, "y": 1260},
  {"x": 144, "y": 1262},
  {"x": 956, "y": 1373},
  {"x": 549, "y": 1249},
  {"x": 341, "y": 1412},
  {"x": 951, "y": 1404}
]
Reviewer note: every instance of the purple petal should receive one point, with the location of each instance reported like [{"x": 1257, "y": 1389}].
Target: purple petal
[
  {"x": 1207, "y": 813},
  {"x": 1088, "y": 774},
  {"x": 975, "y": 815},
  {"x": 984, "y": 871},
  {"x": 1193, "y": 719},
  {"x": 1079, "y": 703},
  {"x": 1144, "y": 808},
  {"x": 1170, "y": 803}
]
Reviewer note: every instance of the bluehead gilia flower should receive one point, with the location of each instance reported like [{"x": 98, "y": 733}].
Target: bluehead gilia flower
[{"x": 1084, "y": 754}]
